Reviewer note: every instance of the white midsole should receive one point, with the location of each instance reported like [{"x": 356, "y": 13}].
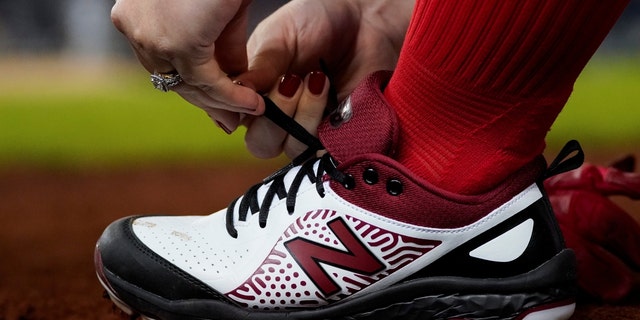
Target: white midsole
[{"x": 558, "y": 313}]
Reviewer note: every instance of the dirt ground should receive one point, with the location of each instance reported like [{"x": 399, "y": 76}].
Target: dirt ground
[{"x": 50, "y": 220}]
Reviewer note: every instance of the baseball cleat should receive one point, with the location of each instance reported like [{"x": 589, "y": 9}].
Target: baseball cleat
[{"x": 351, "y": 234}]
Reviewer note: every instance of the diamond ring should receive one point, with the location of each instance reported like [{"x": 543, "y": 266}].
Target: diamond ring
[{"x": 165, "y": 81}]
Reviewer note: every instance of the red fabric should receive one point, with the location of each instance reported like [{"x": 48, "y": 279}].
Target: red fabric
[
  {"x": 372, "y": 128},
  {"x": 421, "y": 203},
  {"x": 368, "y": 140},
  {"x": 605, "y": 238},
  {"x": 479, "y": 83}
]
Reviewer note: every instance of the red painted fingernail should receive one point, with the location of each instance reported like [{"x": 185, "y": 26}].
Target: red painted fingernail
[
  {"x": 316, "y": 82},
  {"x": 289, "y": 84}
]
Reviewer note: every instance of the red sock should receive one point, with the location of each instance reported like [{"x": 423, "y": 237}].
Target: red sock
[{"x": 479, "y": 83}]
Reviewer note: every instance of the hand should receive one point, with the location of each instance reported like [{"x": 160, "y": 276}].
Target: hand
[
  {"x": 605, "y": 238},
  {"x": 353, "y": 37},
  {"x": 304, "y": 100},
  {"x": 203, "y": 40}
]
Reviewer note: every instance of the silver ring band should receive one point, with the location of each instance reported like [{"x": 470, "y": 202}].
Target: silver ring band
[{"x": 165, "y": 81}]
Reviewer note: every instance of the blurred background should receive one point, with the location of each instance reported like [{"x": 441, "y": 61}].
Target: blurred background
[
  {"x": 74, "y": 27},
  {"x": 85, "y": 139},
  {"x": 71, "y": 93}
]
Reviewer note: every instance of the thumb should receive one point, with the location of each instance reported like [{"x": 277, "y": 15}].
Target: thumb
[
  {"x": 265, "y": 67},
  {"x": 271, "y": 49},
  {"x": 230, "y": 46}
]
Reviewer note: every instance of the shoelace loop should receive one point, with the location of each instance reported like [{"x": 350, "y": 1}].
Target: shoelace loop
[
  {"x": 277, "y": 188},
  {"x": 306, "y": 163}
]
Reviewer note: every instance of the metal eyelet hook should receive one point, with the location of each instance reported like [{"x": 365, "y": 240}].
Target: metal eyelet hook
[{"x": 342, "y": 114}]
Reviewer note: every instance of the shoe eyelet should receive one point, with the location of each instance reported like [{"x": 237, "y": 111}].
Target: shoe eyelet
[
  {"x": 394, "y": 187},
  {"x": 370, "y": 176},
  {"x": 349, "y": 182}
]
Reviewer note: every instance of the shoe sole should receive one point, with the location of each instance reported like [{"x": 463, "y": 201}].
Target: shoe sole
[{"x": 545, "y": 293}]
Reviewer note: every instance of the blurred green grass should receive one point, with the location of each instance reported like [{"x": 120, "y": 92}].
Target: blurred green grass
[
  {"x": 100, "y": 115},
  {"x": 603, "y": 112},
  {"x": 77, "y": 113}
]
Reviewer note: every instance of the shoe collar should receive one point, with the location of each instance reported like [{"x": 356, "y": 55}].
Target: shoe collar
[{"x": 364, "y": 123}]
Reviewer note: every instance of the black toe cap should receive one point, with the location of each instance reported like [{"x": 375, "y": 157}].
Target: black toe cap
[{"x": 127, "y": 264}]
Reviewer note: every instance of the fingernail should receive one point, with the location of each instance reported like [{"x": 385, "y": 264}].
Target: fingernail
[
  {"x": 242, "y": 84},
  {"x": 223, "y": 127},
  {"x": 289, "y": 84},
  {"x": 316, "y": 82}
]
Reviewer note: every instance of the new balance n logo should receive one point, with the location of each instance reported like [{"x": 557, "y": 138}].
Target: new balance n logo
[{"x": 311, "y": 255}]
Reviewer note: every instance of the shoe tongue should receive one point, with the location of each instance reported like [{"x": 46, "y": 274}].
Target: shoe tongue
[{"x": 363, "y": 123}]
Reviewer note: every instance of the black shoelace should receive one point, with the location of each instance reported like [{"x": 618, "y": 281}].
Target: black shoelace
[{"x": 306, "y": 161}]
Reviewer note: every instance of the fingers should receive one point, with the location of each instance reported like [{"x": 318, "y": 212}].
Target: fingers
[
  {"x": 270, "y": 57},
  {"x": 275, "y": 47},
  {"x": 204, "y": 51},
  {"x": 309, "y": 112},
  {"x": 208, "y": 87},
  {"x": 304, "y": 101},
  {"x": 231, "y": 45},
  {"x": 264, "y": 139}
]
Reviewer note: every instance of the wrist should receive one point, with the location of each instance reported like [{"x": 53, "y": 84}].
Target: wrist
[{"x": 392, "y": 15}]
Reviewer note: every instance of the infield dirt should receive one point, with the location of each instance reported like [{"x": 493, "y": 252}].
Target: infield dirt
[{"x": 50, "y": 220}]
